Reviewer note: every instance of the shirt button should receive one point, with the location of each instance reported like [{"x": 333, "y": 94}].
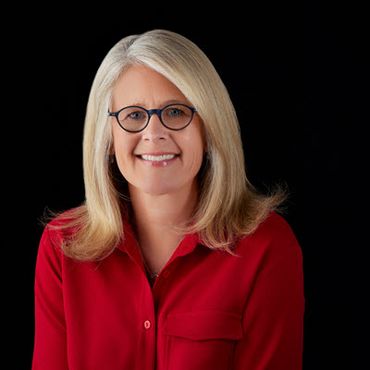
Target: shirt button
[{"x": 147, "y": 324}]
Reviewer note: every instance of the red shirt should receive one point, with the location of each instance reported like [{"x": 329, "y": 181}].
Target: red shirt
[{"x": 207, "y": 310}]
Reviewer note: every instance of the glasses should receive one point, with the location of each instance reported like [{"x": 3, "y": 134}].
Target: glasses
[{"x": 135, "y": 119}]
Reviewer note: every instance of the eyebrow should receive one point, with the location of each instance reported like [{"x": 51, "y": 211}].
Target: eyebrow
[{"x": 163, "y": 104}]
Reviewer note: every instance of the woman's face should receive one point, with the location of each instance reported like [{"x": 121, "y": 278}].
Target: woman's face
[{"x": 142, "y": 86}]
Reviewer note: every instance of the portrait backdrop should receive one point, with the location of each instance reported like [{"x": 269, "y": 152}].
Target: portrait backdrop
[{"x": 285, "y": 69}]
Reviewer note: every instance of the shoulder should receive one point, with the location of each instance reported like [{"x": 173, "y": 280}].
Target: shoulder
[
  {"x": 274, "y": 234},
  {"x": 50, "y": 259},
  {"x": 274, "y": 226},
  {"x": 58, "y": 229}
]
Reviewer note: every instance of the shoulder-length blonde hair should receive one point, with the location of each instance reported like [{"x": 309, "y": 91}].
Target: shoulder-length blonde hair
[{"x": 228, "y": 208}]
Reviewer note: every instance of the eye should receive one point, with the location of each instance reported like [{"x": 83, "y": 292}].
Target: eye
[
  {"x": 136, "y": 115},
  {"x": 174, "y": 112}
]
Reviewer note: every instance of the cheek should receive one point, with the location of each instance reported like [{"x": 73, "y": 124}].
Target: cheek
[
  {"x": 195, "y": 153},
  {"x": 123, "y": 145}
]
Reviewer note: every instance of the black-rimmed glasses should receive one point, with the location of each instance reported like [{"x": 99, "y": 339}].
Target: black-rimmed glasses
[{"x": 135, "y": 119}]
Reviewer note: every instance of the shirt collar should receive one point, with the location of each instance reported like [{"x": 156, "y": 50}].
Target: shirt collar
[{"x": 130, "y": 244}]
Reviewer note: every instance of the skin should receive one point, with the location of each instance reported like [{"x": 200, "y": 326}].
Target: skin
[{"x": 163, "y": 195}]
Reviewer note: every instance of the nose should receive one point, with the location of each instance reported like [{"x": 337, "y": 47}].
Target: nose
[{"x": 155, "y": 130}]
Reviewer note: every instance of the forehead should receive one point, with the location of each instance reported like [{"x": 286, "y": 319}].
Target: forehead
[{"x": 141, "y": 85}]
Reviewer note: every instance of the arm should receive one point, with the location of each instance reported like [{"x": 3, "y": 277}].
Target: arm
[
  {"x": 50, "y": 331},
  {"x": 273, "y": 316}
]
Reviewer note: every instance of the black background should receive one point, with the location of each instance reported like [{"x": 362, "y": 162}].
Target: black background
[{"x": 290, "y": 72}]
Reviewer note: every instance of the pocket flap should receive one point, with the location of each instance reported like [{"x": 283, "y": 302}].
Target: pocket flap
[{"x": 204, "y": 325}]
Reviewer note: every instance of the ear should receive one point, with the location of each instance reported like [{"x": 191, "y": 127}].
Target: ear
[
  {"x": 111, "y": 158},
  {"x": 205, "y": 149},
  {"x": 111, "y": 150}
]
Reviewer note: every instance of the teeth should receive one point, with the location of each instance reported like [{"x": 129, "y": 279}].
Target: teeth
[{"x": 157, "y": 158}]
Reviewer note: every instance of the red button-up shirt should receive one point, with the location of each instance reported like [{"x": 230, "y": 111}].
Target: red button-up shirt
[{"x": 207, "y": 310}]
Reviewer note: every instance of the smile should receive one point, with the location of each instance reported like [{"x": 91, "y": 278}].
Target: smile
[
  {"x": 162, "y": 160},
  {"x": 157, "y": 158}
]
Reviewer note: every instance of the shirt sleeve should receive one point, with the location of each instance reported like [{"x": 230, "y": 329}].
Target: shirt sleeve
[
  {"x": 50, "y": 331},
  {"x": 273, "y": 316}
]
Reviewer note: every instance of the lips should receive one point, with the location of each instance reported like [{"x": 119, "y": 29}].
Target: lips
[{"x": 157, "y": 157}]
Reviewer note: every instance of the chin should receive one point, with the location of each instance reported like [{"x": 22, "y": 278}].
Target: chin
[{"x": 158, "y": 189}]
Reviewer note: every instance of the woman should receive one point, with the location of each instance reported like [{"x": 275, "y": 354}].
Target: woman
[{"x": 174, "y": 261}]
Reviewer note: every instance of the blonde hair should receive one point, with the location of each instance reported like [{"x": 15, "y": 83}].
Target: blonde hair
[{"x": 228, "y": 208}]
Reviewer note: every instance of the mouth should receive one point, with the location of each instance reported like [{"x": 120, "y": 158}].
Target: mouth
[{"x": 157, "y": 158}]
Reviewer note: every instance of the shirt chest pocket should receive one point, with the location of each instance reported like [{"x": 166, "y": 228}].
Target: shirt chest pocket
[{"x": 201, "y": 340}]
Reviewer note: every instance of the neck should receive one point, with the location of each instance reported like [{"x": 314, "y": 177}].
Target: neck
[
  {"x": 156, "y": 217},
  {"x": 163, "y": 211}
]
